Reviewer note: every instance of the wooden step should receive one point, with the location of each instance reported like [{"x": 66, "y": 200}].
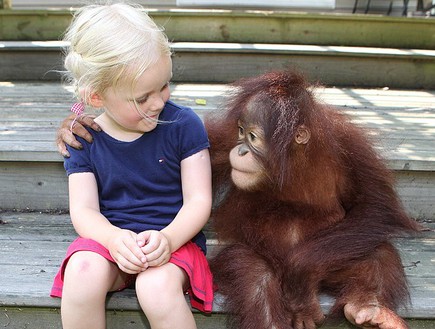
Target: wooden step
[
  {"x": 240, "y": 25},
  {"x": 41, "y": 241},
  {"x": 32, "y": 246},
  {"x": 402, "y": 124},
  {"x": 381, "y": 7},
  {"x": 333, "y": 65}
]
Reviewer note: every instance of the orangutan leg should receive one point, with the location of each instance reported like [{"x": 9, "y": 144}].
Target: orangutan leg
[
  {"x": 252, "y": 291},
  {"x": 373, "y": 289}
]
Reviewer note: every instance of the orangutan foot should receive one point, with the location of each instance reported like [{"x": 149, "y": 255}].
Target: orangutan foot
[{"x": 373, "y": 316}]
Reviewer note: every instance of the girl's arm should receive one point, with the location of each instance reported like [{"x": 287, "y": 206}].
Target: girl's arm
[
  {"x": 193, "y": 215},
  {"x": 91, "y": 224}
]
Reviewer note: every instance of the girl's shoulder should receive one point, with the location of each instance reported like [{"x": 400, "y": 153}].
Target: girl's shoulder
[
  {"x": 176, "y": 107},
  {"x": 179, "y": 114},
  {"x": 96, "y": 135},
  {"x": 86, "y": 146}
]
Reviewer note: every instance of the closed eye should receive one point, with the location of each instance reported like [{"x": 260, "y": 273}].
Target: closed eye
[
  {"x": 252, "y": 137},
  {"x": 142, "y": 100}
]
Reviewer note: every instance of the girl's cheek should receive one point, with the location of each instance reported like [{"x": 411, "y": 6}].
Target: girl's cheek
[{"x": 167, "y": 94}]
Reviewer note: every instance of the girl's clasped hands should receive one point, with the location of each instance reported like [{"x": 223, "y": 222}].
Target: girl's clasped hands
[{"x": 134, "y": 253}]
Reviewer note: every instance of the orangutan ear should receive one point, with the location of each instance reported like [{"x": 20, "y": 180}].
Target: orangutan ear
[
  {"x": 303, "y": 135},
  {"x": 95, "y": 100}
]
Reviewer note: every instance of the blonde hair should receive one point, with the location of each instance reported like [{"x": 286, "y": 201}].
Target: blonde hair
[{"x": 109, "y": 45}]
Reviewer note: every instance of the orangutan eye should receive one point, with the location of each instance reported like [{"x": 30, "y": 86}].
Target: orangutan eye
[
  {"x": 252, "y": 137},
  {"x": 241, "y": 131}
]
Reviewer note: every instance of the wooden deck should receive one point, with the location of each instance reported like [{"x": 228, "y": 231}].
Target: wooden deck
[
  {"x": 338, "y": 48},
  {"x": 402, "y": 123},
  {"x": 245, "y": 26},
  {"x": 34, "y": 239},
  {"x": 341, "y": 66},
  {"x": 32, "y": 246},
  {"x": 403, "y": 120}
]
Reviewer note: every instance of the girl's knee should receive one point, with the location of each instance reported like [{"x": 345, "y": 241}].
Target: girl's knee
[
  {"x": 88, "y": 269},
  {"x": 160, "y": 285}
]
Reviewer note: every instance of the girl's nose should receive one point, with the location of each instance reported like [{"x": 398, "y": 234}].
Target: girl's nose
[{"x": 158, "y": 103}]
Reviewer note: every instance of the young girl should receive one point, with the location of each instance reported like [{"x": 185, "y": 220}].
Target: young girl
[{"x": 141, "y": 192}]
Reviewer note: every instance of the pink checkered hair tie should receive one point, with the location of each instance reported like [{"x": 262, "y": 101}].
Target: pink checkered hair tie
[{"x": 78, "y": 109}]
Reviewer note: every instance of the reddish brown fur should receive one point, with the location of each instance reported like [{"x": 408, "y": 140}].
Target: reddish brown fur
[{"x": 321, "y": 223}]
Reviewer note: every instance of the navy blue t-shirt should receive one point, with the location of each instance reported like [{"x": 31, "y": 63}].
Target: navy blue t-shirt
[{"x": 139, "y": 182}]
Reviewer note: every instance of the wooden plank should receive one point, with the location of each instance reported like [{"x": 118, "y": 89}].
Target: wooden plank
[
  {"x": 270, "y": 48},
  {"x": 31, "y": 186},
  {"x": 43, "y": 186},
  {"x": 341, "y": 6},
  {"x": 44, "y": 227},
  {"x": 417, "y": 256},
  {"x": 37, "y": 318},
  {"x": 339, "y": 66},
  {"x": 51, "y": 98},
  {"x": 404, "y": 130},
  {"x": 13, "y": 131},
  {"x": 35, "y": 283},
  {"x": 398, "y": 158},
  {"x": 49, "y": 318},
  {"x": 26, "y": 280},
  {"x": 417, "y": 193},
  {"x": 332, "y": 71},
  {"x": 74, "y": 3},
  {"x": 246, "y": 26}
]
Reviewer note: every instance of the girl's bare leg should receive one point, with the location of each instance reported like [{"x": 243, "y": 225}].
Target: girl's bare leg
[
  {"x": 87, "y": 279},
  {"x": 160, "y": 291}
]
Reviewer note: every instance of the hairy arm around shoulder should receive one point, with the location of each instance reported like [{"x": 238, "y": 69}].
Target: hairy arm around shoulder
[
  {"x": 193, "y": 215},
  {"x": 65, "y": 135},
  {"x": 91, "y": 224}
]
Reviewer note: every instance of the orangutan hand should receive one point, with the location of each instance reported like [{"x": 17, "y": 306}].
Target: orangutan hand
[{"x": 66, "y": 136}]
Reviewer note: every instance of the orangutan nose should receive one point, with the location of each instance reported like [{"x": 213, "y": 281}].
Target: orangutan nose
[{"x": 243, "y": 150}]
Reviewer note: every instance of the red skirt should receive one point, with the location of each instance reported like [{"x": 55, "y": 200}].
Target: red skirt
[{"x": 189, "y": 257}]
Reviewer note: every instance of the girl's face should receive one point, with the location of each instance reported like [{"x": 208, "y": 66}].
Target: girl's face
[{"x": 150, "y": 93}]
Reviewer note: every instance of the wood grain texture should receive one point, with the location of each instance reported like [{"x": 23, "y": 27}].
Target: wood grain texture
[
  {"x": 244, "y": 25},
  {"x": 32, "y": 246},
  {"x": 400, "y": 122},
  {"x": 333, "y": 65}
]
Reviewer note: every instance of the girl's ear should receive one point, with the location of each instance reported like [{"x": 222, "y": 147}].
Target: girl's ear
[{"x": 95, "y": 100}]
